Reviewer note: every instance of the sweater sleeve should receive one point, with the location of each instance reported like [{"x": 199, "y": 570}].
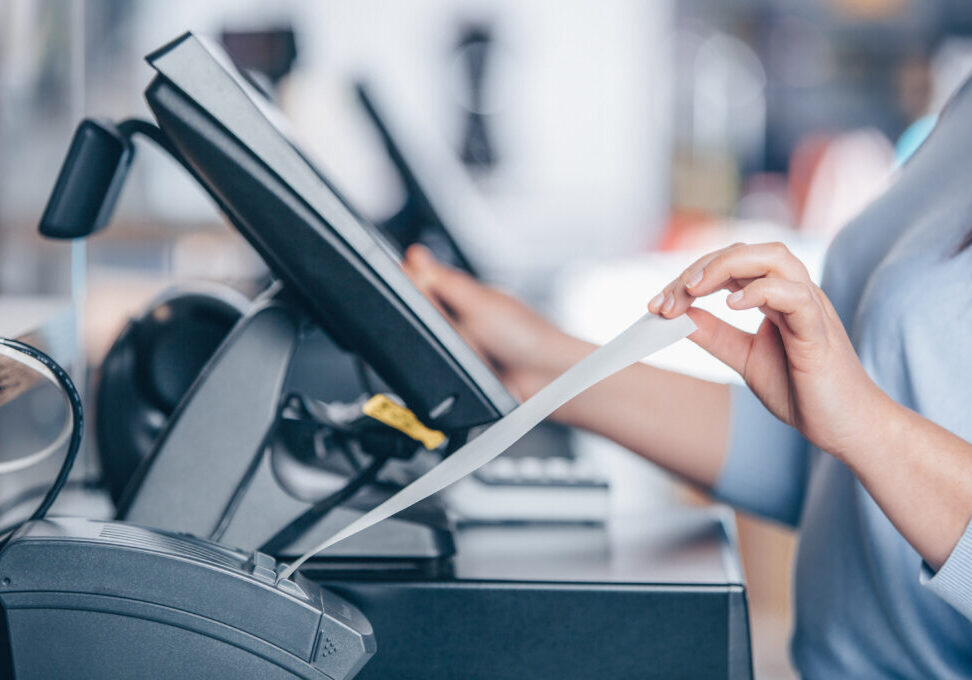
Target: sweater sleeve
[
  {"x": 953, "y": 582},
  {"x": 765, "y": 470}
]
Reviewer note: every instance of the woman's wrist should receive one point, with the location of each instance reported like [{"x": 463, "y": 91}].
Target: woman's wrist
[{"x": 881, "y": 426}]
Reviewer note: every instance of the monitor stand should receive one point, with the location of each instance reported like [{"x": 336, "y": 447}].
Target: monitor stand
[{"x": 213, "y": 473}]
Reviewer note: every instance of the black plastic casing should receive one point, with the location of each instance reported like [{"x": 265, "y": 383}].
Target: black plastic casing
[
  {"x": 89, "y": 182},
  {"x": 326, "y": 255}
]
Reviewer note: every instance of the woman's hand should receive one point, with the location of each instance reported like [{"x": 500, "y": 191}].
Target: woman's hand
[
  {"x": 526, "y": 350},
  {"x": 802, "y": 366},
  {"x": 800, "y": 363}
]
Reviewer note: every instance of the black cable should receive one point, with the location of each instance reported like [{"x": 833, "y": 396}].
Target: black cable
[
  {"x": 350, "y": 457},
  {"x": 361, "y": 368},
  {"x": 77, "y": 428},
  {"x": 132, "y": 126},
  {"x": 300, "y": 408},
  {"x": 244, "y": 484},
  {"x": 299, "y": 525}
]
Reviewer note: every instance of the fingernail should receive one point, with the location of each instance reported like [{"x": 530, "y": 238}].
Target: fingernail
[
  {"x": 655, "y": 301},
  {"x": 695, "y": 279},
  {"x": 669, "y": 303},
  {"x": 735, "y": 297}
]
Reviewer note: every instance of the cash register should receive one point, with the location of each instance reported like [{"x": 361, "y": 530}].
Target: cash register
[{"x": 244, "y": 463}]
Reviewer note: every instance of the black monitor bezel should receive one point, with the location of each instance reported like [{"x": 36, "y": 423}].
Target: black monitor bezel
[{"x": 206, "y": 111}]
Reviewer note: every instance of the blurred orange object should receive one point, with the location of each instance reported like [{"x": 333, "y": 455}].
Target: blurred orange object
[
  {"x": 686, "y": 230},
  {"x": 803, "y": 165},
  {"x": 846, "y": 174}
]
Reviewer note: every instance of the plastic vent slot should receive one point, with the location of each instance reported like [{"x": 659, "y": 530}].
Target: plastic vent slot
[{"x": 136, "y": 537}]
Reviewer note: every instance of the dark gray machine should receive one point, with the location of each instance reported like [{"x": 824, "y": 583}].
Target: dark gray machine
[
  {"x": 221, "y": 469},
  {"x": 337, "y": 273},
  {"x": 90, "y": 599},
  {"x": 664, "y": 598}
]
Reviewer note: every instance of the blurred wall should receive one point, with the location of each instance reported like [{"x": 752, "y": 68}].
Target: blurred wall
[
  {"x": 578, "y": 104},
  {"x": 41, "y": 99},
  {"x": 576, "y": 100}
]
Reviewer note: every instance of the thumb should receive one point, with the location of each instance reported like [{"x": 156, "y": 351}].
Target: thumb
[{"x": 722, "y": 340}]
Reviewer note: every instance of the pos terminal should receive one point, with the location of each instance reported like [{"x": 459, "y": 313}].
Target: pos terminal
[{"x": 242, "y": 462}]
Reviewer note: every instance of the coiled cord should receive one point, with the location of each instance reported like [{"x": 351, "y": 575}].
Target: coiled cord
[{"x": 30, "y": 356}]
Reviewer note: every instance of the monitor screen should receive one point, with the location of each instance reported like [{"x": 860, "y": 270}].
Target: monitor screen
[{"x": 339, "y": 268}]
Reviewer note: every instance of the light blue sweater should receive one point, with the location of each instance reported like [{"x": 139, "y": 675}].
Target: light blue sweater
[{"x": 866, "y": 606}]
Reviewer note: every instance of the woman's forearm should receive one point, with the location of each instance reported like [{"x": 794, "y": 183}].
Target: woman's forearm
[
  {"x": 920, "y": 475},
  {"x": 674, "y": 420},
  {"x": 679, "y": 422}
]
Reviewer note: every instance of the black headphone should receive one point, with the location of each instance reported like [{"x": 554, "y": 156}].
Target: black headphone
[{"x": 149, "y": 369}]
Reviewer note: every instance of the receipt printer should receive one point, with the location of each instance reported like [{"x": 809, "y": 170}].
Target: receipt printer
[{"x": 93, "y": 599}]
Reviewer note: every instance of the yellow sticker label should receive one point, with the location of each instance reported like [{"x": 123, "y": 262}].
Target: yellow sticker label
[{"x": 384, "y": 410}]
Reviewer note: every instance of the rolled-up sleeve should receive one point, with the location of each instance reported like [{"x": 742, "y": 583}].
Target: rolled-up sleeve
[
  {"x": 765, "y": 470},
  {"x": 953, "y": 582}
]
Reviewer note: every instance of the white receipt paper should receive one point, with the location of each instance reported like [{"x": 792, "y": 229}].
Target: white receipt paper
[{"x": 645, "y": 336}]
